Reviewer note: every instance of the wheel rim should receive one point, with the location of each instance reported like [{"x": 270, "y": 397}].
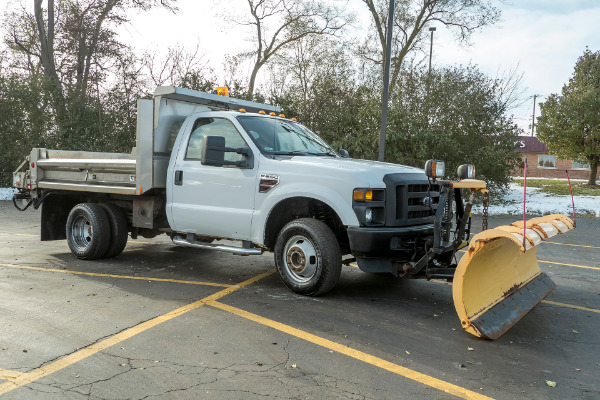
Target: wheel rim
[
  {"x": 300, "y": 259},
  {"x": 81, "y": 233}
]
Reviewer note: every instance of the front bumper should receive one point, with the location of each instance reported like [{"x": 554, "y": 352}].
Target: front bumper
[
  {"x": 384, "y": 241},
  {"x": 383, "y": 249}
]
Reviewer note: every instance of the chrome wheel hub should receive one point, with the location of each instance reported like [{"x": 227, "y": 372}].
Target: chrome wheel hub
[{"x": 301, "y": 259}]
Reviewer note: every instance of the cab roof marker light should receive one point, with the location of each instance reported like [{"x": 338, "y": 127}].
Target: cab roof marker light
[
  {"x": 272, "y": 113},
  {"x": 282, "y": 116},
  {"x": 222, "y": 91},
  {"x": 294, "y": 119},
  {"x": 262, "y": 112},
  {"x": 242, "y": 110}
]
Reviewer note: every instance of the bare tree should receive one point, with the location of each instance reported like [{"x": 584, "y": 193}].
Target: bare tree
[
  {"x": 279, "y": 23},
  {"x": 411, "y": 17},
  {"x": 172, "y": 69},
  {"x": 74, "y": 42}
]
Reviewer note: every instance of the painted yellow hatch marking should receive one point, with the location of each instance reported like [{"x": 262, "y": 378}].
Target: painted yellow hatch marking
[
  {"x": 29, "y": 377},
  {"x": 356, "y": 354},
  {"x": 141, "y": 278}
]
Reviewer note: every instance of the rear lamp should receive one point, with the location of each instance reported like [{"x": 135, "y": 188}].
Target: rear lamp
[
  {"x": 435, "y": 169},
  {"x": 466, "y": 171}
]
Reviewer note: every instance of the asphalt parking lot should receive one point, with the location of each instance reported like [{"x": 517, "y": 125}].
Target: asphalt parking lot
[{"x": 165, "y": 322}]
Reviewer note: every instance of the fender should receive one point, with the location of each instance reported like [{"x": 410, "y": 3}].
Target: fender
[{"x": 340, "y": 205}]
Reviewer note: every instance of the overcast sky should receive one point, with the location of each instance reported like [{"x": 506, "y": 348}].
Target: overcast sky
[{"x": 541, "y": 38}]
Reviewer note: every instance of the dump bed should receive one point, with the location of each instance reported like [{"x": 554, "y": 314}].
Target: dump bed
[{"x": 158, "y": 123}]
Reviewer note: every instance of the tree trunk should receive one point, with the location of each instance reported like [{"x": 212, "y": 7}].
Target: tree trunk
[
  {"x": 593, "y": 170},
  {"x": 48, "y": 63}
]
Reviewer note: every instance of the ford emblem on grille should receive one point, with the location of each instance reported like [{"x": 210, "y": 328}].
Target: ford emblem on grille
[{"x": 426, "y": 201}]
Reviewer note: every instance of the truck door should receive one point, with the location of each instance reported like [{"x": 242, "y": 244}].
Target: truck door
[{"x": 211, "y": 200}]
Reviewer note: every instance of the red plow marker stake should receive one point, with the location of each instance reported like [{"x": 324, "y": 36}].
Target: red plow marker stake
[
  {"x": 572, "y": 201},
  {"x": 524, "y": 198}
]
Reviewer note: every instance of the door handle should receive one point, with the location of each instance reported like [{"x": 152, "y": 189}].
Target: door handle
[{"x": 178, "y": 178}]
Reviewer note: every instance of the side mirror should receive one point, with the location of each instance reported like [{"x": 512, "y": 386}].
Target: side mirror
[
  {"x": 344, "y": 153},
  {"x": 213, "y": 153},
  {"x": 213, "y": 150}
]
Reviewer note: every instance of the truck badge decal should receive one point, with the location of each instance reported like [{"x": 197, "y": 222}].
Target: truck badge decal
[{"x": 267, "y": 182}]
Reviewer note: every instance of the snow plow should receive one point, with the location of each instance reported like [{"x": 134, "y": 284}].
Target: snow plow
[{"x": 499, "y": 280}]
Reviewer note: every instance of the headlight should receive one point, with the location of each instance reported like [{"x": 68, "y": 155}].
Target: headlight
[
  {"x": 369, "y": 215},
  {"x": 369, "y": 206},
  {"x": 435, "y": 169},
  {"x": 466, "y": 171},
  {"x": 369, "y": 195}
]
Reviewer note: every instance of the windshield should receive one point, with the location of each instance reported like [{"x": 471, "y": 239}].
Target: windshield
[{"x": 278, "y": 136}]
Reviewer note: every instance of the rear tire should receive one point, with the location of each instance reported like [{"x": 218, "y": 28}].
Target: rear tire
[
  {"x": 118, "y": 230},
  {"x": 308, "y": 257},
  {"x": 88, "y": 231}
]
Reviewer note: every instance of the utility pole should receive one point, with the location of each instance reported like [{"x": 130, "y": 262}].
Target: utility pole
[
  {"x": 386, "y": 81},
  {"x": 533, "y": 116},
  {"x": 432, "y": 29}
]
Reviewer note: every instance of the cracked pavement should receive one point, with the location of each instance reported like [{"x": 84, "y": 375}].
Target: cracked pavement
[{"x": 210, "y": 353}]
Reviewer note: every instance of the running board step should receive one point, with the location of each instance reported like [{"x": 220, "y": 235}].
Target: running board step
[{"x": 242, "y": 251}]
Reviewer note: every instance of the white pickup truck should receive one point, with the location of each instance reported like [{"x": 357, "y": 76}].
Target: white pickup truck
[{"x": 208, "y": 167}]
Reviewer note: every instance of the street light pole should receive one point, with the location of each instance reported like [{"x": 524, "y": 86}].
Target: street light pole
[
  {"x": 533, "y": 116},
  {"x": 386, "y": 81},
  {"x": 432, "y": 29}
]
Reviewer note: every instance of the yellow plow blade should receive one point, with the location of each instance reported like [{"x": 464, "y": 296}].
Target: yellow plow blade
[{"x": 498, "y": 281}]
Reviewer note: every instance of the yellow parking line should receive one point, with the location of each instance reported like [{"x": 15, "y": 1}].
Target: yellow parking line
[
  {"x": 575, "y": 245},
  {"x": 359, "y": 355},
  {"x": 569, "y": 265},
  {"x": 8, "y": 375},
  {"x": 25, "y": 234},
  {"x": 54, "y": 366},
  {"x": 556, "y": 303},
  {"x": 141, "y": 278}
]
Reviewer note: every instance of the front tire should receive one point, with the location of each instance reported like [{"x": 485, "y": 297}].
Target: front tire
[
  {"x": 308, "y": 257},
  {"x": 88, "y": 231}
]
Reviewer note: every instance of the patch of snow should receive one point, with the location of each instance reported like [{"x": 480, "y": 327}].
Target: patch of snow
[
  {"x": 7, "y": 194},
  {"x": 511, "y": 203}
]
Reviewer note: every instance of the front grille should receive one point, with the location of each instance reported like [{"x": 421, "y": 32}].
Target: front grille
[{"x": 411, "y": 205}]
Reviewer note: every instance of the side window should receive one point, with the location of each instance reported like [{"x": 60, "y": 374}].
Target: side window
[
  {"x": 214, "y": 127},
  {"x": 579, "y": 164},
  {"x": 546, "y": 161}
]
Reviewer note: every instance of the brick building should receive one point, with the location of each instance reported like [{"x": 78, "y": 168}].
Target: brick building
[{"x": 542, "y": 164}]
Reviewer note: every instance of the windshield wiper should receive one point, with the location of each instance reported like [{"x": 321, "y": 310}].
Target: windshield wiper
[
  {"x": 288, "y": 153},
  {"x": 325, "y": 153},
  {"x": 302, "y": 153}
]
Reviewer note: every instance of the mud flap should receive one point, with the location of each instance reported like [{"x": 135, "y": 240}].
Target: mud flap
[{"x": 498, "y": 280}]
